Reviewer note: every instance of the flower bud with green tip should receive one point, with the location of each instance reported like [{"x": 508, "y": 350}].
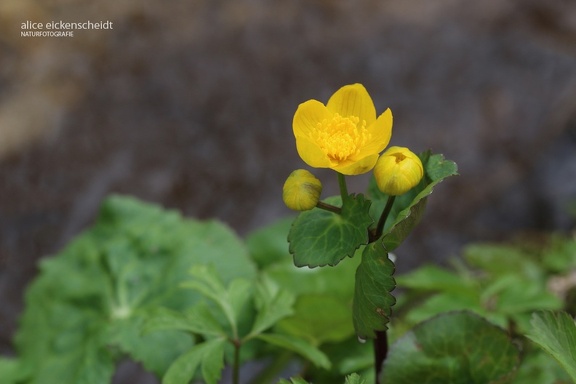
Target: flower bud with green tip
[
  {"x": 301, "y": 190},
  {"x": 398, "y": 170}
]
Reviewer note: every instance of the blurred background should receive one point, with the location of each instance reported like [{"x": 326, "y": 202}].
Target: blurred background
[{"x": 189, "y": 104}]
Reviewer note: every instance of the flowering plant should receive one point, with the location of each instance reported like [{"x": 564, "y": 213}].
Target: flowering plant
[
  {"x": 190, "y": 301},
  {"x": 346, "y": 136}
]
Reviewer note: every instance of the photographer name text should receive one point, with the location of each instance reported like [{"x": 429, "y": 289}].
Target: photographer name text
[{"x": 60, "y": 28}]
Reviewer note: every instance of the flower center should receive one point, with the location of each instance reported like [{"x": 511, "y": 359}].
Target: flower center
[
  {"x": 341, "y": 137},
  {"x": 399, "y": 157}
]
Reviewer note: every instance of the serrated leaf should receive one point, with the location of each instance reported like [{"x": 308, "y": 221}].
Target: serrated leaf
[
  {"x": 272, "y": 303},
  {"x": 408, "y": 208},
  {"x": 354, "y": 379},
  {"x": 318, "y": 237},
  {"x": 452, "y": 348},
  {"x": 156, "y": 351},
  {"x": 301, "y": 347},
  {"x": 198, "y": 320},
  {"x": 555, "y": 333},
  {"x": 351, "y": 379},
  {"x": 208, "y": 356},
  {"x": 372, "y": 298},
  {"x": 230, "y": 300}
]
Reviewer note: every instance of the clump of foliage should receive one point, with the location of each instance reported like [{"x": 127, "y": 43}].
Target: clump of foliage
[{"x": 188, "y": 298}]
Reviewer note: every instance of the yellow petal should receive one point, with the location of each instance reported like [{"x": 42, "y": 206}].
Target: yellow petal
[
  {"x": 381, "y": 132},
  {"x": 311, "y": 153},
  {"x": 307, "y": 117},
  {"x": 353, "y": 100},
  {"x": 357, "y": 167}
]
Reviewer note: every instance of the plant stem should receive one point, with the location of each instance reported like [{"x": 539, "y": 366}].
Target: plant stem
[
  {"x": 381, "y": 341},
  {"x": 343, "y": 187},
  {"x": 272, "y": 371},
  {"x": 236, "y": 366},
  {"x": 329, "y": 207},
  {"x": 380, "y": 352},
  {"x": 383, "y": 217}
]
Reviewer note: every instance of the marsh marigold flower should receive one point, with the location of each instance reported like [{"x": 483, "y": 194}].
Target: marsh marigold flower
[
  {"x": 344, "y": 134},
  {"x": 301, "y": 190},
  {"x": 397, "y": 171}
]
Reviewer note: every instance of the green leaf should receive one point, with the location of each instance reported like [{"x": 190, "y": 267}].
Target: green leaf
[
  {"x": 512, "y": 294},
  {"x": 337, "y": 280},
  {"x": 539, "y": 367},
  {"x": 299, "y": 346},
  {"x": 231, "y": 301},
  {"x": 267, "y": 245},
  {"x": 127, "y": 336},
  {"x": 88, "y": 302},
  {"x": 272, "y": 303},
  {"x": 452, "y": 348},
  {"x": 500, "y": 259},
  {"x": 408, "y": 208},
  {"x": 328, "y": 288},
  {"x": 11, "y": 371},
  {"x": 433, "y": 278},
  {"x": 555, "y": 333},
  {"x": 351, "y": 379},
  {"x": 354, "y": 379},
  {"x": 318, "y": 237},
  {"x": 209, "y": 356},
  {"x": 372, "y": 298},
  {"x": 293, "y": 380},
  {"x": 319, "y": 318},
  {"x": 197, "y": 320}
]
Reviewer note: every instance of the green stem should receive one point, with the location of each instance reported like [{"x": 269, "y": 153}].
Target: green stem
[
  {"x": 381, "y": 341},
  {"x": 329, "y": 207},
  {"x": 236, "y": 366},
  {"x": 343, "y": 187},
  {"x": 271, "y": 372},
  {"x": 385, "y": 213}
]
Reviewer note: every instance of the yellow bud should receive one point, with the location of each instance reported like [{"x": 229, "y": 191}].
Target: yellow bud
[
  {"x": 301, "y": 190},
  {"x": 397, "y": 171}
]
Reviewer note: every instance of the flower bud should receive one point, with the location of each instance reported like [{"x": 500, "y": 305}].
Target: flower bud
[
  {"x": 397, "y": 171},
  {"x": 301, "y": 190}
]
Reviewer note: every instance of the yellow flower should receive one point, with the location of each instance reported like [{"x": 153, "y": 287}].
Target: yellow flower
[
  {"x": 344, "y": 134},
  {"x": 301, "y": 190},
  {"x": 397, "y": 171}
]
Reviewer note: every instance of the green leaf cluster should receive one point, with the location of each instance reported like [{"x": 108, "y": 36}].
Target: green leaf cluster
[
  {"x": 177, "y": 296},
  {"x": 85, "y": 311},
  {"x": 501, "y": 282},
  {"x": 322, "y": 312},
  {"x": 508, "y": 284}
]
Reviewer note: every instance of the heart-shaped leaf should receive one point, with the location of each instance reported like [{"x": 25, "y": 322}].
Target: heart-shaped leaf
[
  {"x": 454, "y": 347},
  {"x": 318, "y": 237}
]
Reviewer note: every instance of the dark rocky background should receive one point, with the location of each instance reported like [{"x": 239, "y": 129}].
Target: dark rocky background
[{"x": 189, "y": 104}]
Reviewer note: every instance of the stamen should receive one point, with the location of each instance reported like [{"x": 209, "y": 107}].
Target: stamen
[{"x": 341, "y": 137}]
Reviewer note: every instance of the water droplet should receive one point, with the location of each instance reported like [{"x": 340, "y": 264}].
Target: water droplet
[{"x": 361, "y": 340}]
